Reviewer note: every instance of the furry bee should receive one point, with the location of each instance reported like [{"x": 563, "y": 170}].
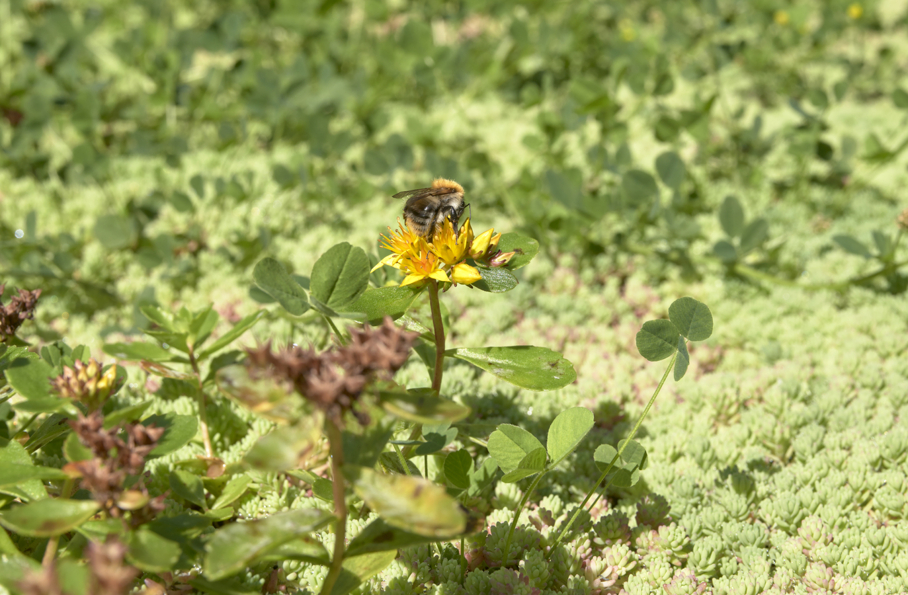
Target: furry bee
[{"x": 427, "y": 208}]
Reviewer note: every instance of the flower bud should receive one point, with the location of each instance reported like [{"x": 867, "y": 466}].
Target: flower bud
[{"x": 86, "y": 383}]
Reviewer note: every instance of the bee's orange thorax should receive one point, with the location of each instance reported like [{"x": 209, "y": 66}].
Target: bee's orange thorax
[{"x": 443, "y": 183}]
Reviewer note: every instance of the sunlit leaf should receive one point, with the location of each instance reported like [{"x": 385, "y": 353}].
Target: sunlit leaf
[
  {"x": 413, "y": 504},
  {"x": 535, "y": 368}
]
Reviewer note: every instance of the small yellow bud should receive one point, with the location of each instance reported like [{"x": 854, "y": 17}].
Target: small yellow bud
[
  {"x": 855, "y": 11},
  {"x": 465, "y": 274},
  {"x": 781, "y": 18}
]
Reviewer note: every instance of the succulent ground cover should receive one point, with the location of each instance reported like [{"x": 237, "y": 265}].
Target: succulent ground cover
[{"x": 192, "y": 197}]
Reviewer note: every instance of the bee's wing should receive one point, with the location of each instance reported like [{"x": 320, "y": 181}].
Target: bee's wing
[{"x": 407, "y": 193}]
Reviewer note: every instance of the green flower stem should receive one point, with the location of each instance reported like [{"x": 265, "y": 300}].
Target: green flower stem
[
  {"x": 523, "y": 501},
  {"x": 203, "y": 416},
  {"x": 334, "y": 328},
  {"x": 439, "y": 328},
  {"x": 50, "y": 552},
  {"x": 340, "y": 505},
  {"x": 608, "y": 469},
  {"x": 439, "y": 335}
]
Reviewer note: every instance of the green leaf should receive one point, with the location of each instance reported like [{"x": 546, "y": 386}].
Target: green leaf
[
  {"x": 365, "y": 448},
  {"x": 524, "y": 248},
  {"x": 340, "y": 276},
  {"x": 47, "y": 517},
  {"x": 142, "y": 351},
  {"x": 233, "y": 334},
  {"x": 379, "y": 536},
  {"x": 850, "y": 245},
  {"x": 115, "y": 232},
  {"x": 691, "y": 318},
  {"x": 385, "y": 301},
  {"x": 53, "y": 425},
  {"x": 509, "y": 444},
  {"x": 566, "y": 432},
  {"x": 413, "y": 504},
  {"x": 422, "y": 406},
  {"x": 188, "y": 486},
  {"x": 280, "y": 449},
  {"x": 535, "y": 368},
  {"x": 261, "y": 395},
  {"x": 237, "y": 546},
  {"x": 13, "y": 473},
  {"x": 126, "y": 414},
  {"x": 358, "y": 570},
  {"x": 495, "y": 279},
  {"x": 202, "y": 325},
  {"x": 181, "y": 202},
  {"x": 671, "y": 169},
  {"x": 482, "y": 476},
  {"x": 13, "y": 453},
  {"x": 73, "y": 450},
  {"x": 900, "y": 99},
  {"x": 731, "y": 216},
  {"x": 164, "y": 319},
  {"x": 30, "y": 377},
  {"x": 624, "y": 474},
  {"x": 178, "y": 431},
  {"x": 531, "y": 464},
  {"x": 754, "y": 234},
  {"x": 565, "y": 187},
  {"x": 458, "y": 467},
  {"x": 634, "y": 454},
  {"x": 883, "y": 243},
  {"x": 436, "y": 438},
  {"x": 682, "y": 361},
  {"x": 225, "y": 587},
  {"x": 657, "y": 340},
  {"x": 235, "y": 488},
  {"x": 305, "y": 549},
  {"x": 725, "y": 251},
  {"x": 272, "y": 278},
  {"x": 150, "y": 552},
  {"x": 639, "y": 186},
  {"x": 197, "y": 183}
]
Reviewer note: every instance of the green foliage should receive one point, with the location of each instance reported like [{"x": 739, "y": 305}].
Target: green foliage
[{"x": 157, "y": 160}]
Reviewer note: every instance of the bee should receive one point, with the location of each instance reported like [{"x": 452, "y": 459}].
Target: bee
[{"x": 427, "y": 208}]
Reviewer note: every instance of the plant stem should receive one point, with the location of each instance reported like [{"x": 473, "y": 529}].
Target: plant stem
[
  {"x": 439, "y": 335},
  {"x": 523, "y": 501},
  {"x": 337, "y": 333},
  {"x": 439, "y": 328},
  {"x": 203, "y": 416},
  {"x": 50, "y": 552},
  {"x": 402, "y": 459},
  {"x": 25, "y": 426},
  {"x": 608, "y": 469},
  {"x": 340, "y": 505}
]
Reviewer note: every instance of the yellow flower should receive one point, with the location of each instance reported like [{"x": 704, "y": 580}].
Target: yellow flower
[
  {"x": 781, "y": 18},
  {"x": 450, "y": 246},
  {"x": 484, "y": 244},
  {"x": 421, "y": 265},
  {"x": 442, "y": 259},
  {"x": 855, "y": 11}
]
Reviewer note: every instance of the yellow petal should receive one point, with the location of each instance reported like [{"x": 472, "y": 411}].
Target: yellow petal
[
  {"x": 465, "y": 274},
  {"x": 411, "y": 279},
  {"x": 440, "y": 276},
  {"x": 387, "y": 260},
  {"x": 481, "y": 244}
]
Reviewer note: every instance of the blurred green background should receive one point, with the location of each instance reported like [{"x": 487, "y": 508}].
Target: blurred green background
[{"x": 154, "y": 151}]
